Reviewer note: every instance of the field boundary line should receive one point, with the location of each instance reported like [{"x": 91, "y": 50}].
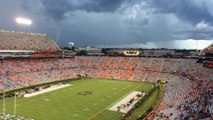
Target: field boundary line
[
  {"x": 112, "y": 104},
  {"x": 99, "y": 112},
  {"x": 125, "y": 100},
  {"x": 50, "y": 89},
  {"x": 96, "y": 114}
]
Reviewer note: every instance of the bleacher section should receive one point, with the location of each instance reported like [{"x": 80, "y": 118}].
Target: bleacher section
[
  {"x": 188, "y": 93},
  {"x": 208, "y": 49},
  {"x": 185, "y": 77},
  {"x": 11, "y": 40}
]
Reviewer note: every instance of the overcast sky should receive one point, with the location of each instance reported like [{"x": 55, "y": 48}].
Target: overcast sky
[{"x": 115, "y": 23}]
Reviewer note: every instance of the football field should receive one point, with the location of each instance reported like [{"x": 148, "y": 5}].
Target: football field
[{"x": 86, "y": 99}]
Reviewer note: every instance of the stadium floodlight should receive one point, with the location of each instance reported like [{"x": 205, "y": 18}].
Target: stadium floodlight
[
  {"x": 71, "y": 44},
  {"x": 23, "y": 21}
]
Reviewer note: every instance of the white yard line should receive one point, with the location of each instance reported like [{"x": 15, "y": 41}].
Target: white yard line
[
  {"x": 124, "y": 101},
  {"x": 46, "y": 90}
]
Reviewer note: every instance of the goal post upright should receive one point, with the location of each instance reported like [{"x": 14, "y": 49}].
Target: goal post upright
[
  {"x": 15, "y": 104},
  {"x": 3, "y": 102}
]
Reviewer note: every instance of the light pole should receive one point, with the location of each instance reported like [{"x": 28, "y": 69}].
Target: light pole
[
  {"x": 23, "y": 21},
  {"x": 197, "y": 40}
]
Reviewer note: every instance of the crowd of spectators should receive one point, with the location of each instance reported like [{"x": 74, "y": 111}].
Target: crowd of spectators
[
  {"x": 187, "y": 95},
  {"x": 209, "y": 49},
  {"x": 11, "y": 40},
  {"x": 18, "y": 73}
]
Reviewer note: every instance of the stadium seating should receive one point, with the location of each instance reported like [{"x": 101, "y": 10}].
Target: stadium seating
[
  {"x": 185, "y": 77},
  {"x": 26, "y": 41},
  {"x": 187, "y": 95}
]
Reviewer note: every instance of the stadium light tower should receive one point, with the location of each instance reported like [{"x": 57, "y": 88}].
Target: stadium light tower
[
  {"x": 70, "y": 44},
  {"x": 23, "y": 21}
]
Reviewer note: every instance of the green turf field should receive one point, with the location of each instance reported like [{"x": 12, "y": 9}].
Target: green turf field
[{"x": 84, "y": 99}]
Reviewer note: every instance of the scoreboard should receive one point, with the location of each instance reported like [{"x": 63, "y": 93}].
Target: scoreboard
[{"x": 131, "y": 52}]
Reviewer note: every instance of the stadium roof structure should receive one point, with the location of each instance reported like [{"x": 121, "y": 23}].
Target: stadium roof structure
[{"x": 21, "y": 41}]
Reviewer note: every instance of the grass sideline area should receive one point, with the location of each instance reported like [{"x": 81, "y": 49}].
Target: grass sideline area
[
  {"x": 84, "y": 99},
  {"x": 148, "y": 105}
]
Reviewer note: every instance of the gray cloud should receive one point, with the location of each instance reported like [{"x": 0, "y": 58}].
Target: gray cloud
[
  {"x": 190, "y": 10},
  {"x": 57, "y": 9},
  {"x": 125, "y": 23}
]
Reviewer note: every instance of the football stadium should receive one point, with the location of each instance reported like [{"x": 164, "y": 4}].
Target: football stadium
[
  {"x": 106, "y": 60},
  {"x": 41, "y": 81}
]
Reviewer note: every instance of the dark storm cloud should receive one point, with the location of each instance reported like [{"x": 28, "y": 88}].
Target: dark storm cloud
[
  {"x": 185, "y": 9},
  {"x": 145, "y": 23},
  {"x": 58, "y": 8}
]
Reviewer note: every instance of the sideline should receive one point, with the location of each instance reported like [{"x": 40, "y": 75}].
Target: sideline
[
  {"x": 125, "y": 100},
  {"x": 46, "y": 90}
]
